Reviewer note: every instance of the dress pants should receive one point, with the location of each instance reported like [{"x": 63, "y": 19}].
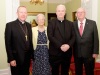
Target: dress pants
[
  {"x": 22, "y": 69},
  {"x": 88, "y": 64},
  {"x": 56, "y": 62}
]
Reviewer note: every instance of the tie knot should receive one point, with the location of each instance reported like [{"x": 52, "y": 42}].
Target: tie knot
[{"x": 81, "y": 23}]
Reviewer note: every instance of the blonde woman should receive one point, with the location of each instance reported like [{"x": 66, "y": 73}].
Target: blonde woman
[{"x": 40, "y": 42}]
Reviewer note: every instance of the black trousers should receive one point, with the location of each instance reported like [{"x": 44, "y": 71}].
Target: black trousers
[
  {"x": 22, "y": 69},
  {"x": 88, "y": 64},
  {"x": 56, "y": 62}
]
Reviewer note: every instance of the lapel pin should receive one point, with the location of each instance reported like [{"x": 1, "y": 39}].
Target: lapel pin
[{"x": 87, "y": 23}]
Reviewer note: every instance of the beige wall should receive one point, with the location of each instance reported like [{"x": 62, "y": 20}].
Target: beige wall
[
  {"x": 35, "y": 8},
  {"x": 99, "y": 13},
  {"x": 52, "y": 7},
  {"x": 98, "y": 23},
  {"x": 71, "y": 7},
  {"x": 3, "y": 58}
]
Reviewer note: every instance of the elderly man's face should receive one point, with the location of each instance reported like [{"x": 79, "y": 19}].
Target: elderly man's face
[
  {"x": 22, "y": 13},
  {"x": 60, "y": 12},
  {"x": 80, "y": 14}
]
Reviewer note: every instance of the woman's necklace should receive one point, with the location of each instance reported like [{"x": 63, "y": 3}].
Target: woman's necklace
[
  {"x": 24, "y": 31},
  {"x": 41, "y": 29}
]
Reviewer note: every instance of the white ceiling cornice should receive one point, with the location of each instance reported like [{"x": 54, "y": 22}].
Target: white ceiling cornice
[
  {"x": 50, "y": 1},
  {"x": 58, "y": 1},
  {"x": 28, "y": 0}
]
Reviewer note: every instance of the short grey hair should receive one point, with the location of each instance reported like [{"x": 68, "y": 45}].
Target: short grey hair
[
  {"x": 20, "y": 7},
  {"x": 61, "y": 5},
  {"x": 81, "y": 8},
  {"x": 38, "y": 16}
]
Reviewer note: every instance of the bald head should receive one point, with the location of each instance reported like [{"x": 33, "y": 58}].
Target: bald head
[
  {"x": 80, "y": 14},
  {"x": 81, "y": 9},
  {"x": 61, "y": 7},
  {"x": 60, "y": 12},
  {"x": 20, "y": 7},
  {"x": 22, "y": 13}
]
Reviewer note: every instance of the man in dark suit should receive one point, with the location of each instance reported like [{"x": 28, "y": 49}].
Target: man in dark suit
[
  {"x": 61, "y": 36},
  {"x": 86, "y": 46},
  {"x": 18, "y": 41}
]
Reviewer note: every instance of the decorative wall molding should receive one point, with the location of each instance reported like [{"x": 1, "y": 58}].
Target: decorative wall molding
[
  {"x": 88, "y": 7},
  {"x": 91, "y": 7},
  {"x": 11, "y": 9},
  {"x": 58, "y": 1},
  {"x": 5, "y": 71},
  {"x": 29, "y": 0}
]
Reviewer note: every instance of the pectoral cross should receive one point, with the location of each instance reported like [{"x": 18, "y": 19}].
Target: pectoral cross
[{"x": 26, "y": 37}]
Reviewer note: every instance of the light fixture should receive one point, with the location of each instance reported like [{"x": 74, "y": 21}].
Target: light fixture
[
  {"x": 37, "y": 2},
  {"x": 85, "y": 2}
]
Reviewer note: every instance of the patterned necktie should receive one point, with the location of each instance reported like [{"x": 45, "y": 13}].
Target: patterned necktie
[{"x": 81, "y": 29}]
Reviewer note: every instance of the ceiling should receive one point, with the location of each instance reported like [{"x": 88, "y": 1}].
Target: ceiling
[{"x": 50, "y": 1}]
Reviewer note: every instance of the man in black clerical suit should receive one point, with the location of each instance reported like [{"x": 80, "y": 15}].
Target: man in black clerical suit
[
  {"x": 61, "y": 36},
  {"x": 86, "y": 47},
  {"x": 18, "y": 41}
]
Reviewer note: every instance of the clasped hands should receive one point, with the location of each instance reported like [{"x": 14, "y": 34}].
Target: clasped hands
[{"x": 65, "y": 47}]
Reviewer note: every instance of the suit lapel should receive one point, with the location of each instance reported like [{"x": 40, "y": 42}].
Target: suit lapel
[
  {"x": 77, "y": 29},
  {"x": 86, "y": 27}
]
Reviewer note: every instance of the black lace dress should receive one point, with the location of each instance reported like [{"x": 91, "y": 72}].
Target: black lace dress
[{"x": 41, "y": 64}]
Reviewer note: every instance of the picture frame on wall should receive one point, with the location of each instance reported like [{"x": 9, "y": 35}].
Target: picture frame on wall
[
  {"x": 74, "y": 16},
  {"x": 53, "y": 16},
  {"x": 32, "y": 16}
]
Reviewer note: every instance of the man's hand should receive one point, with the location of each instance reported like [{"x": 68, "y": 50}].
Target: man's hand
[
  {"x": 13, "y": 63},
  {"x": 95, "y": 55}
]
